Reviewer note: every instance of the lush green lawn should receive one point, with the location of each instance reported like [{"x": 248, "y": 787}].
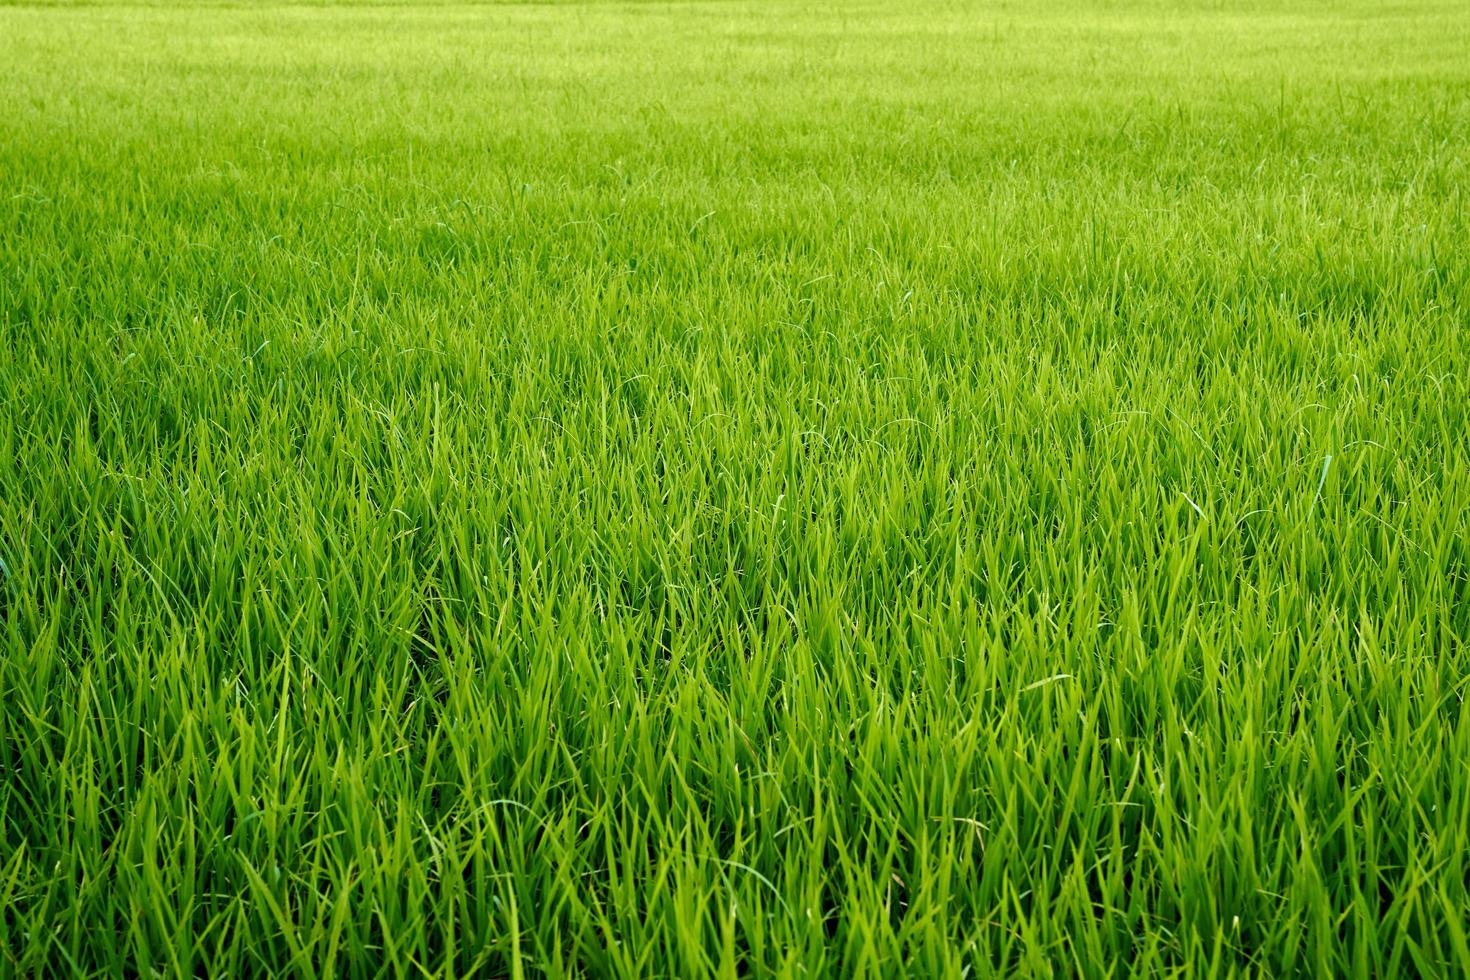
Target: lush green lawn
[{"x": 734, "y": 487}]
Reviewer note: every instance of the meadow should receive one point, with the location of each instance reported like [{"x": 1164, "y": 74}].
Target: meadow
[{"x": 747, "y": 487}]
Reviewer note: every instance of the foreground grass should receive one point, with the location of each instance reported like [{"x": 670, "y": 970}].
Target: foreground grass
[{"x": 733, "y": 487}]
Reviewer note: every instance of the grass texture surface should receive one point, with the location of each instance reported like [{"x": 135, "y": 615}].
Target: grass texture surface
[{"x": 817, "y": 489}]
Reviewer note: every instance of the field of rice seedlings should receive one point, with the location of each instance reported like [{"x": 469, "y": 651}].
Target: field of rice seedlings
[{"x": 948, "y": 488}]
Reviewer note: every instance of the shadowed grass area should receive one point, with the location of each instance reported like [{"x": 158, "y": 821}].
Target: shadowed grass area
[{"x": 735, "y": 488}]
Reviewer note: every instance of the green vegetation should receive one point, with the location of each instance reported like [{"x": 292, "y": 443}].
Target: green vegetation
[{"x": 735, "y": 488}]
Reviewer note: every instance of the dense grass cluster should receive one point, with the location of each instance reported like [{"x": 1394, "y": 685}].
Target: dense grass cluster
[{"x": 735, "y": 488}]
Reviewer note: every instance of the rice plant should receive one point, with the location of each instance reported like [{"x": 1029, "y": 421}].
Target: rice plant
[{"x": 738, "y": 488}]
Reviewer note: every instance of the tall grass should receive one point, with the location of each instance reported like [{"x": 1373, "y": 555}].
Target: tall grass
[{"x": 735, "y": 488}]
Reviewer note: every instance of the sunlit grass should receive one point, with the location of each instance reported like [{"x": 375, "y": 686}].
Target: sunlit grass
[{"x": 740, "y": 488}]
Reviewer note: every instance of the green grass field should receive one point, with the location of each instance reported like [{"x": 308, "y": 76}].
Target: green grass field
[{"x": 931, "y": 488}]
